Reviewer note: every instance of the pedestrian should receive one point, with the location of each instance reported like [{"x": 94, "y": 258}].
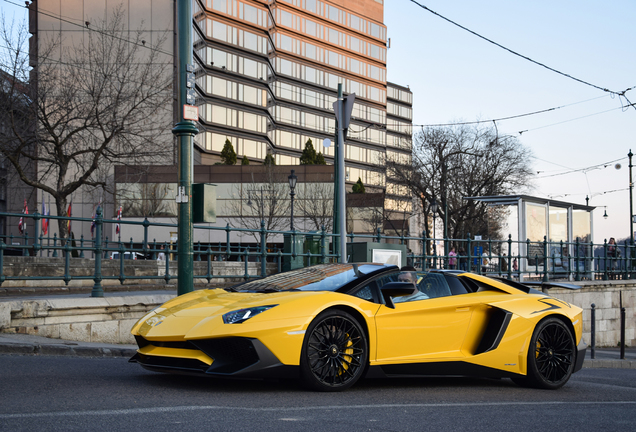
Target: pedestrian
[
  {"x": 484, "y": 262},
  {"x": 161, "y": 256},
  {"x": 452, "y": 259},
  {"x": 463, "y": 260},
  {"x": 515, "y": 265},
  {"x": 613, "y": 253},
  {"x": 504, "y": 263}
]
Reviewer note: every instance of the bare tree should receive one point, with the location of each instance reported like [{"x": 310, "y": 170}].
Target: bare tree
[
  {"x": 266, "y": 198},
  {"x": 148, "y": 200},
  {"x": 315, "y": 204},
  {"x": 451, "y": 163},
  {"x": 93, "y": 103}
]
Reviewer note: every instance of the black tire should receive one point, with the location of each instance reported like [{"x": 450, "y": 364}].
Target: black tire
[
  {"x": 335, "y": 352},
  {"x": 551, "y": 356}
]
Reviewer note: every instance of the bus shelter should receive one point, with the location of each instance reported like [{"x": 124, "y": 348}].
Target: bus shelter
[{"x": 566, "y": 227}]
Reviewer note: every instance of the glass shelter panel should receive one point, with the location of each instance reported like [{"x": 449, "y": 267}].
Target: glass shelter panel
[{"x": 536, "y": 230}]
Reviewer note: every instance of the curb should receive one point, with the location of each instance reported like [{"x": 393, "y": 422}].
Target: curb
[
  {"x": 83, "y": 351},
  {"x": 64, "y": 350},
  {"x": 609, "y": 364}
]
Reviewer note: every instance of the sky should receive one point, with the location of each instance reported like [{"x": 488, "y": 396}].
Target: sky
[{"x": 456, "y": 76}]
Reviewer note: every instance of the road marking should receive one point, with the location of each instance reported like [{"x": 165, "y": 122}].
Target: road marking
[{"x": 154, "y": 410}]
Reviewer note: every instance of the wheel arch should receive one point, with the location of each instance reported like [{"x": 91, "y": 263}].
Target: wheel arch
[
  {"x": 354, "y": 313},
  {"x": 564, "y": 319}
]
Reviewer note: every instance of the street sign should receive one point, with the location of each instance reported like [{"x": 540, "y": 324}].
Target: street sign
[
  {"x": 190, "y": 112},
  {"x": 347, "y": 108}
]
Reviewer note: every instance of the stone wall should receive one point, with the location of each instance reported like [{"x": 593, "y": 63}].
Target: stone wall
[
  {"x": 40, "y": 271},
  {"x": 110, "y": 319},
  {"x": 606, "y": 297}
]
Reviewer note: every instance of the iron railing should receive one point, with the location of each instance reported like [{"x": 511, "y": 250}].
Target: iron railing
[{"x": 543, "y": 260}]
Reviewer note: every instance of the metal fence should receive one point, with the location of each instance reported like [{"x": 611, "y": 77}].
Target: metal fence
[{"x": 544, "y": 260}]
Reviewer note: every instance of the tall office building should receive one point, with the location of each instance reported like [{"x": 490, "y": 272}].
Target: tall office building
[
  {"x": 267, "y": 78},
  {"x": 268, "y": 73}
]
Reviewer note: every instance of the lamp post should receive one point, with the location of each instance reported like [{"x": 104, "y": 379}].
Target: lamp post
[
  {"x": 631, "y": 207},
  {"x": 434, "y": 210},
  {"x": 292, "y": 185}
]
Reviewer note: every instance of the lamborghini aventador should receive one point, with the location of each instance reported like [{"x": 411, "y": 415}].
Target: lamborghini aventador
[{"x": 331, "y": 324}]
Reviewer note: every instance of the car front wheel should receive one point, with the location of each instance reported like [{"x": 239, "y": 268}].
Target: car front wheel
[
  {"x": 551, "y": 356},
  {"x": 334, "y": 353}
]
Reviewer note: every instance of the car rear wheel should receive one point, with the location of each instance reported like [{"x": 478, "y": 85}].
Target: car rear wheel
[
  {"x": 335, "y": 353},
  {"x": 551, "y": 356}
]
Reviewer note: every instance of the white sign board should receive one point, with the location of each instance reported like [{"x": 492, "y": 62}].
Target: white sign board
[
  {"x": 477, "y": 237},
  {"x": 387, "y": 256},
  {"x": 190, "y": 112}
]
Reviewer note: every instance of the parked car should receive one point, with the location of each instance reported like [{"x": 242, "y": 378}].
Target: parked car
[
  {"x": 331, "y": 324},
  {"x": 127, "y": 255}
]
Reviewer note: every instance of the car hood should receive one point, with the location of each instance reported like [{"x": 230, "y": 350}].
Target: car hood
[{"x": 183, "y": 315}]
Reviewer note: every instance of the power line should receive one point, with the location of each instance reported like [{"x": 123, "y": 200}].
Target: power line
[
  {"x": 40, "y": 11},
  {"x": 577, "y": 118},
  {"x": 583, "y": 170},
  {"x": 621, "y": 93},
  {"x": 510, "y": 117}
]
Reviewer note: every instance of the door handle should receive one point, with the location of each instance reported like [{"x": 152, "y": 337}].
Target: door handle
[{"x": 462, "y": 309}]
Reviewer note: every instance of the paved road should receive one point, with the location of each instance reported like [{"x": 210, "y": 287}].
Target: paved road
[{"x": 47, "y": 393}]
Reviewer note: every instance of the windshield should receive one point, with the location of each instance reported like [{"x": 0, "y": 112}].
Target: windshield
[{"x": 322, "y": 277}]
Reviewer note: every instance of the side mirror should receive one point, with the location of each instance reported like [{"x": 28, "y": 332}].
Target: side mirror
[{"x": 396, "y": 289}]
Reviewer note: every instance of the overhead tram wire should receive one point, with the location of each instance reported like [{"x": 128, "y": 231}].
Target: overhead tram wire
[
  {"x": 620, "y": 94},
  {"x": 577, "y": 118},
  {"x": 583, "y": 170},
  {"x": 79, "y": 66},
  {"x": 91, "y": 29}
]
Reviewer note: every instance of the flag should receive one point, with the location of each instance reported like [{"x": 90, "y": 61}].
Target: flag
[
  {"x": 94, "y": 216},
  {"x": 22, "y": 223},
  {"x": 45, "y": 221},
  {"x": 69, "y": 213},
  {"x": 117, "y": 227}
]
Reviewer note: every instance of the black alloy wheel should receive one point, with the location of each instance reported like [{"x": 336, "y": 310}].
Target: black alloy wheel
[
  {"x": 335, "y": 353},
  {"x": 551, "y": 356}
]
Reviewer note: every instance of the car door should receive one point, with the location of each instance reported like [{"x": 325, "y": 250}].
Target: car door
[{"x": 426, "y": 328}]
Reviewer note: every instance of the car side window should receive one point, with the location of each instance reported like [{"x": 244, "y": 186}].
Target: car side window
[
  {"x": 394, "y": 277},
  {"x": 365, "y": 293},
  {"x": 434, "y": 285},
  {"x": 456, "y": 286}
]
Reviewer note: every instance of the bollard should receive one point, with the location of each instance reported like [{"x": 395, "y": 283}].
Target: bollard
[
  {"x": 593, "y": 331},
  {"x": 622, "y": 333},
  {"x": 622, "y": 326}
]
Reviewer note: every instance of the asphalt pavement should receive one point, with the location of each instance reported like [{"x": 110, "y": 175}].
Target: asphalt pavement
[{"x": 37, "y": 345}]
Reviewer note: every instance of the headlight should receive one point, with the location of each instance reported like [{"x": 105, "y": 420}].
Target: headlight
[{"x": 242, "y": 315}]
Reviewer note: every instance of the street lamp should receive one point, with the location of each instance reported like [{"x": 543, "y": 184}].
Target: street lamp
[
  {"x": 292, "y": 185},
  {"x": 434, "y": 210},
  {"x": 631, "y": 208}
]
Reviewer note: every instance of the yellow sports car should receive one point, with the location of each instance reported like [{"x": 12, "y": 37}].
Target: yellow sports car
[{"x": 332, "y": 324}]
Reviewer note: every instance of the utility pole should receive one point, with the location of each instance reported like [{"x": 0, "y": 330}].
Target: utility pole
[
  {"x": 185, "y": 131},
  {"x": 631, "y": 206},
  {"x": 342, "y": 108}
]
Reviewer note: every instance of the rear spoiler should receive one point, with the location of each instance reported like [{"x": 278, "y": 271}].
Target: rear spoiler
[
  {"x": 536, "y": 287},
  {"x": 548, "y": 285}
]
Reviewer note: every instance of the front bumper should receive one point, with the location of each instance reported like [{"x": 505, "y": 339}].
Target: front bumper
[
  {"x": 580, "y": 356},
  {"x": 233, "y": 357}
]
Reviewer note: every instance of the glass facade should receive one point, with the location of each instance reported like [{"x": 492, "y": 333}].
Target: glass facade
[{"x": 268, "y": 74}]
